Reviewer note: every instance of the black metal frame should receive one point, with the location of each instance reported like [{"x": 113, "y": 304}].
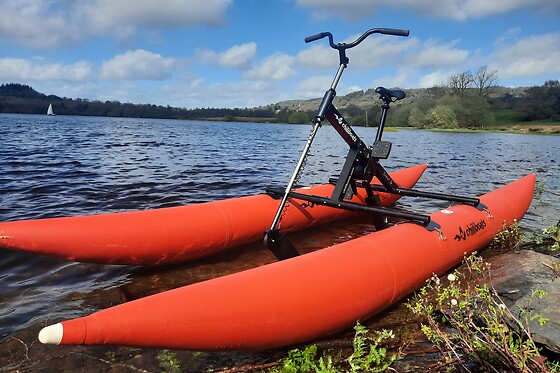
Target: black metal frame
[{"x": 361, "y": 165}]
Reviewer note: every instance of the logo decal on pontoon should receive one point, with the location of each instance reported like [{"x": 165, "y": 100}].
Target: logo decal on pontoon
[{"x": 470, "y": 230}]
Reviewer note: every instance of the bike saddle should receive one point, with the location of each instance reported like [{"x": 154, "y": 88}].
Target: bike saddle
[{"x": 391, "y": 95}]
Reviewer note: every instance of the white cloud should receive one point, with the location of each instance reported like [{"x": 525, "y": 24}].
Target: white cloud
[
  {"x": 402, "y": 78},
  {"x": 239, "y": 56},
  {"x": 20, "y": 69},
  {"x": 377, "y": 50},
  {"x": 236, "y": 57},
  {"x": 279, "y": 66},
  {"x": 531, "y": 56},
  {"x": 35, "y": 24},
  {"x": 348, "y": 9},
  {"x": 318, "y": 56},
  {"x": 47, "y": 24},
  {"x": 197, "y": 93},
  {"x": 436, "y": 54},
  {"x": 449, "y": 9},
  {"x": 382, "y": 50},
  {"x": 137, "y": 65},
  {"x": 460, "y": 9},
  {"x": 434, "y": 79},
  {"x": 105, "y": 16},
  {"x": 313, "y": 87}
]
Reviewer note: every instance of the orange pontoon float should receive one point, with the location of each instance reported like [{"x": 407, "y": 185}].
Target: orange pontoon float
[
  {"x": 176, "y": 234},
  {"x": 305, "y": 297}
]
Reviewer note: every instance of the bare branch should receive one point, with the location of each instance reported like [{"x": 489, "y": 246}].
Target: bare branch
[
  {"x": 485, "y": 79},
  {"x": 460, "y": 82}
]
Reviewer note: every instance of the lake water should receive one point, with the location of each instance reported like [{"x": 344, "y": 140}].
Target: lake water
[{"x": 66, "y": 166}]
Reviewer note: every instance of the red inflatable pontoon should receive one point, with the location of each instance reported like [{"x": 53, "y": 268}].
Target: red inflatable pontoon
[
  {"x": 306, "y": 297},
  {"x": 176, "y": 234}
]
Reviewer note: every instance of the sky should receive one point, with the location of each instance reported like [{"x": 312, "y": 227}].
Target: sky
[{"x": 247, "y": 53}]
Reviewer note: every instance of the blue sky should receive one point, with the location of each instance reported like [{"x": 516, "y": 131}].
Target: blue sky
[{"x": 246, "y": 53}]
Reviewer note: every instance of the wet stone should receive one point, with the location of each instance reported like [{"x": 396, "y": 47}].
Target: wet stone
[{"x": 516, "y": 277}]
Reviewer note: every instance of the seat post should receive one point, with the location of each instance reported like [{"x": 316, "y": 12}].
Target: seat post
[{"x": 384, "y": 109}]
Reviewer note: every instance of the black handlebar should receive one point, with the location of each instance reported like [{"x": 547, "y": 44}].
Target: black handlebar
[
  {"x": 311, "y": 38},
  {"x": 340, "y": 46},
  {"x": 394, "y": 31}
]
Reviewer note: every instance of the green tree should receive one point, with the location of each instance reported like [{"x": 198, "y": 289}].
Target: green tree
[
  {"x": 542, "y": 102},
  {"x": 417, "y": 109},
  {"x": 352, "y": 110},
  {"x": 398, "y": 116},
  {"x": 442, "y": 116},
  {"x": 471, "y": 111},
  {"x": 298, "y": 117},
  {"x": 417, "y": 118}
]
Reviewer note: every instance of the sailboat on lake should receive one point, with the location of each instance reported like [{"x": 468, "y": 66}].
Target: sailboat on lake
[{"x": 50, "y": 110}]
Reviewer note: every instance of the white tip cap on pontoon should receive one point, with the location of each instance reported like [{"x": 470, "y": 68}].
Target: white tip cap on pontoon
[{"x": 51, "y": 334}]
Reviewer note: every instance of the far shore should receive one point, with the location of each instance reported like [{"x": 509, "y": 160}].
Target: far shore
[
  {"x": 536, "y": 129},
  {"x": 543, "y": 128}
]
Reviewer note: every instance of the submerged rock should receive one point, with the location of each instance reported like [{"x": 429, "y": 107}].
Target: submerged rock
[{"x": 516, "y": 276}]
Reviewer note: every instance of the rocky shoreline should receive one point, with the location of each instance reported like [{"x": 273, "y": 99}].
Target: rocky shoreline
[{"x": 515, "y": 276}]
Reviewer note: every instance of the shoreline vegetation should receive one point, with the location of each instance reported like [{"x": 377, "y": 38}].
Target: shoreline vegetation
[
  {"x": 496, "y": 109},
  {"x": 534, "y": 127}
]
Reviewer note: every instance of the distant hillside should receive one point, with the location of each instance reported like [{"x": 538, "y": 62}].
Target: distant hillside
[
  {"x": 369, "y": 99},
  {"x": 355, "y": 105},
  {"x": 22, "y": 99},
  {"x": 423, "y": 108},
  {"x": 21, "y": 91}
]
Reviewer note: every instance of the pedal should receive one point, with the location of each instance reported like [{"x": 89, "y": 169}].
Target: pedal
[{"x": 381, "y": 149}]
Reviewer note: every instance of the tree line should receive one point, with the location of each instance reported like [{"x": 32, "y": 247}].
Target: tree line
[
  {"x": 22, "y": 99},
  {"x": 468, "y": 100}
]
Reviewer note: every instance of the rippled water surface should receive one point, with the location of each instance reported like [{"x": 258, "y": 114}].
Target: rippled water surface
[{"x": 66, "y": 166}]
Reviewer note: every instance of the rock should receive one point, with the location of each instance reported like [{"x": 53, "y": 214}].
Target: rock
[
  {"x": 515, "y": 276},
  {"x": 547, "y": 334}
]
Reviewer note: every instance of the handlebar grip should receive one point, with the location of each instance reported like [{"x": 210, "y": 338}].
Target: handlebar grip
[
  {"x": 321, "y": 35},
  {"x": 396, "y": 32}
]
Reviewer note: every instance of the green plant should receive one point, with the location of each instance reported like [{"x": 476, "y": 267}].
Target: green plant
[
  {"x": 549, "y": 237},
  {"x": 374, "y": 358},
  {"x": 468, "y": 322},
  {"x": 368, "y": 355},
  {"x": 169, "y": 362},
  {"x": 111, "y": 356},
  {"x": 539, "y": 188},
  {"x": 300, "y": 361},
  {"x": 508, "y": 238}
]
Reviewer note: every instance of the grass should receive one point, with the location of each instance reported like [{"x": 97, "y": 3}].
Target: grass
[
  {"x": 507, "y": 117},
  {"x": 510, "y": 120}
]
